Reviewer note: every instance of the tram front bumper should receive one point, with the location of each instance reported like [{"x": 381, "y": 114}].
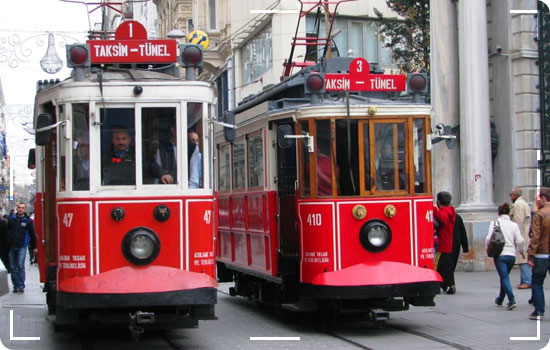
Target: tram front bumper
[
  {"x": 376, "y": 280},
  {"x": 147, "y": 286}
]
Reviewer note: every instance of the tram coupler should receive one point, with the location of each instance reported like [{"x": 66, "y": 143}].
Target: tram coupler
[
  {"x": 379, "y": 315},
  {"x": 137, "y": 318},
  {"x": 145, "y": 317}
]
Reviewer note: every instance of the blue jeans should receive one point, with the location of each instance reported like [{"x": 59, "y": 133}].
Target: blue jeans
[
  {"x": 17, "y": 262},
  {"x": 525, "y": 272},
  {"x": 539, "y": 273},
  {"x": 504, "y": 265}
]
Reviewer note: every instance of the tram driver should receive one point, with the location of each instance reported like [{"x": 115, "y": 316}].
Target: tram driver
[{"x": 118, "y": 166}]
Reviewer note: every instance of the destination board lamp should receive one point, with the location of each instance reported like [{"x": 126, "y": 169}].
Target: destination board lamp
[{"x": 78, "y": 57}]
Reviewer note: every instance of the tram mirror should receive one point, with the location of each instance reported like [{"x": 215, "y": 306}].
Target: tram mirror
[
  {"x": 43, "y": 137},
  {"x": 229, "y": 133},
  {"x": 282, "y": 131},
  {"x": 31, "y": 161}
]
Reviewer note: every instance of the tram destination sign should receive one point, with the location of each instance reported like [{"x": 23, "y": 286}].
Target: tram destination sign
[
  {"x": 132, "y": 46},
  {"x": 360, "y": 79}
]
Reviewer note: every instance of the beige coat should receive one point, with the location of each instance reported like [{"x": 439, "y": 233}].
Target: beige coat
[{"x": 521, "y": 215}]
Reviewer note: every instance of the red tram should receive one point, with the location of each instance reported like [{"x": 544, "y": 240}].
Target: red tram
[
  {"x": 121, "y": 244},
  {"x": 325, "y": 199}
]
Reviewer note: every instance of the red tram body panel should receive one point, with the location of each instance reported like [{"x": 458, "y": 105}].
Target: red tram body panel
[{"x": 125, "y": 206}]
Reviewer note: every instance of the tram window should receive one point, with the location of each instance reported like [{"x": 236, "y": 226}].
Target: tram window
[
  {"x": 305, "y": 160},
  {"x": 390, "y": 156},
  {"x": 255, "y": 161},
  {"x": 224, "y": 161},
  {"x": 325, "y": 160},
  {"x": 238, "y": 165},
  {"x": 348, "y": 157},
  {"x": 118, "y": 164},
  {"x": 159, "y": 145},
  {"x": 81, "y": 151},
  {"x": 194, "y": 154},
  {"x": 419, "y": 155}
]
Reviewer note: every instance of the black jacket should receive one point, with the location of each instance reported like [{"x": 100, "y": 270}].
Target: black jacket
[
  {"x": 168, "y": 162},
  {"x": 18, "y": 228},
  {"x": 119, "y": 170}
]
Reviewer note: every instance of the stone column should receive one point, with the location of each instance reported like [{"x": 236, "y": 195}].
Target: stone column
[
  {"x": 444, "y": 94},
  {"x": 475, "y": 133},
  {"x": 477, "y": 208}
]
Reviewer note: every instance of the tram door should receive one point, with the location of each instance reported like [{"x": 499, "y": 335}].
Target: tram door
[{"x": 288, "y": 261}]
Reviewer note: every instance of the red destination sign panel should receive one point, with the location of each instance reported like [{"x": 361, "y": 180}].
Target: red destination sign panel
[
  {"x": 360, "y": 79},
  {"x": 133, "y": 51},
  {"x": 132, "y": 46}
]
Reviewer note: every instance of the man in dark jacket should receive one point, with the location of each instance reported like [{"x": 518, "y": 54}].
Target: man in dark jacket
[
  {"x": 460, "y": 240},
  {"x": 164, "y": 166},
  {"x": 20, "y": 234},
  {"x": 118, "y": 166}
]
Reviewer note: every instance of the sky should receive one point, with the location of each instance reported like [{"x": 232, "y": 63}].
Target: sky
[{"x": 24, "y": 28}]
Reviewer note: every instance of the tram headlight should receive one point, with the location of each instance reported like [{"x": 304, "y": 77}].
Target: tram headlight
[
  {"x": 375, "y": 236},
  {"x": 141, "y": 246}
]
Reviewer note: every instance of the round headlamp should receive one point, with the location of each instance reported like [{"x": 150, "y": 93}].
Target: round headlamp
[
  {"x": 141, "y": 246},
  {"x": 375, "y": 236}
]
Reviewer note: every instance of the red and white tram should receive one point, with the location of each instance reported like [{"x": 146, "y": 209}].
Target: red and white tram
[
  {"x": 324, "y": 202},
  {"x": 121, "y": 244}
]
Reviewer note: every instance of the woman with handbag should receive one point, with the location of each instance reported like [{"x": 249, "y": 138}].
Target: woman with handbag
[{"x": 505, "y": 261}]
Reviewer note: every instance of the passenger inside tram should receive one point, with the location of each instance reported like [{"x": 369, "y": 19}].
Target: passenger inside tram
[
  {"x": 81, "y": 164},
  {"x": 195, "y": 159},
  {"x": 118, "y": 165},
  {"x": 164, "y": 166}
]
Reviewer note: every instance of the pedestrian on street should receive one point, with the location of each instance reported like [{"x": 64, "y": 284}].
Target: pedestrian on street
[
  {"x": 445, "y": 215},
  {"x": 20, "y": 235},
  {"x": 505, "y": 261},
  {"x": 537, "y": 253},
  {"x": 460, "y": 240},
  {"x": 521, "y": 215}
]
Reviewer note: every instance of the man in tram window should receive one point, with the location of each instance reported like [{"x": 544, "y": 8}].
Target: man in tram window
[
  {"x": 81, "y": 164},
  {"x": 164, "y": 166},
  {"x": 194, "y": 159},
  {"x": 118, "y": 166}
]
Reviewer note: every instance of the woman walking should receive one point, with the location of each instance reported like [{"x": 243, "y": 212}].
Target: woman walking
[{"x": 505, "y": 261}]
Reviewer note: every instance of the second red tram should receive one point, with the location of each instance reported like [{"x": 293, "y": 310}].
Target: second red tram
[
  {"x": 325, "y": 202},
  {"x": 125, "y": 222}
]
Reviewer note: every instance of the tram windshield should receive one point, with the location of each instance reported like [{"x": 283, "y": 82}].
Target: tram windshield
[
  {"x": 133, "y": 147},
  {"x": 364, "y": 157}
]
